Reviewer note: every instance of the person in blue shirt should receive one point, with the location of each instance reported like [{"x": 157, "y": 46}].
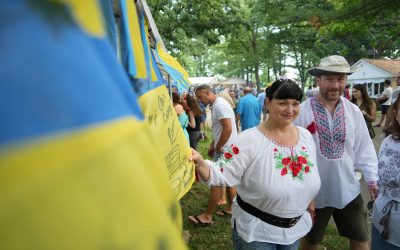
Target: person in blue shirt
[
  {"x": 261, "y": 100},
  {"x": 248, "y": 112}
]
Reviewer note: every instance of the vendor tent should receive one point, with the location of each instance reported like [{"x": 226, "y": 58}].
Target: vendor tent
[
  {"x": 233, "y": 82},
  {"x": 196, "y": 81}
]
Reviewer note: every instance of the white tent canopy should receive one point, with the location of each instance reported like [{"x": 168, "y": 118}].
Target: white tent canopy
[{"x": 203, "y": 80}]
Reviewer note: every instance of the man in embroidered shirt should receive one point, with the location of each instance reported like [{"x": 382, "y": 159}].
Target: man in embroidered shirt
[
  {"x": 224, "y": 131},
  {"x": 343, "y": 145}
]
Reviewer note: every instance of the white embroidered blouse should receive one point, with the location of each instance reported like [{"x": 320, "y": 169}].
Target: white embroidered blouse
[
  {"x": 389, "y": 188},
  {"x": 276, "y": 179}
]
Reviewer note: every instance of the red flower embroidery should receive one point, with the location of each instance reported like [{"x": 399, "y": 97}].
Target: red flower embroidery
[
  {"x": 222, "y": 170},
  {"x": 302, "y": 160},
  {"x": 235, "y": 150},
  {"x": 312, "y": 128},
  {"x": 295, "y": 167},
  {"x": 286, "y": 161},
  {"x": 227, "y": 155}
]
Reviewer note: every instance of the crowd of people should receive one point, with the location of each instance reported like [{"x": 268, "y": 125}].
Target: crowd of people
[{"x": 289, "y": 166}]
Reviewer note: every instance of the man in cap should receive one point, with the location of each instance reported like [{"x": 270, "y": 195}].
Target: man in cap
[{"x": 343, "y": 145}]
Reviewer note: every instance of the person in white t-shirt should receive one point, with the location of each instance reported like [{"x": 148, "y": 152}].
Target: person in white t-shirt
[
  {"x": 224, "y": 131},
  {"x": 396, "y": 91},
  {"x": 273, "y": 166},
  {"x": 343, "y": 145},
  {"x": 386, "y": 95}
]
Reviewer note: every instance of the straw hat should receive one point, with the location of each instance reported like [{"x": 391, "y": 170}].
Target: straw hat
[{"x": 331, "y": 65}]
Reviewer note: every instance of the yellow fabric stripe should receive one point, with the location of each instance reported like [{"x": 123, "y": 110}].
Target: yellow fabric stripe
[
  {"x": 137, "y": 44},
  {"x": 165, "y": 129},
  {"x": 88, "y": 15},
  {"x": 101, "y": 187}
]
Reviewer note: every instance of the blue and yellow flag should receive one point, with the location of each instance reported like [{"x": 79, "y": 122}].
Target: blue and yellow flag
[
  {"x": 178, "y": 74},
  {"x": 78, "y": 169}
]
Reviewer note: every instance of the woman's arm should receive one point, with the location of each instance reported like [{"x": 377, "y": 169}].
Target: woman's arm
[
  {"x": 311, "y": 210},
  {"x": 201, "y": 166},
  {"x": 371, "y": 117},
  {"x": 192, "y": 121}
]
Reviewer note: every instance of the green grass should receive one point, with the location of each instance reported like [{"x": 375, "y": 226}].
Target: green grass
[{"x": 218, "y": 235}]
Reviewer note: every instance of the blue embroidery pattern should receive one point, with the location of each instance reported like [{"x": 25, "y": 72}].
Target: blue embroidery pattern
[
  {"x": 389, "y": 169},
  {"x": 331, "y": 141}
]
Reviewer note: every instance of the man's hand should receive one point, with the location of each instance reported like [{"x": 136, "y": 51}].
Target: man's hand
[
  {"x": 218, "y": 150},
  {"x": 211, "y": 152},
  {"x": 373, "y": 190}
]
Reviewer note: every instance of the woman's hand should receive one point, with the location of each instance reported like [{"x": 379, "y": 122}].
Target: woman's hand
[
  {"x": 196, "y": 158},
  {"x": 201, "y": 166}
]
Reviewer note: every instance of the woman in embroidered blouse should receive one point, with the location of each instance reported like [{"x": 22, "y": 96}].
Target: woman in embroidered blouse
[
  {"x": 386, "y": 211},
  {"x": 366, "y": 105},
  {"x": 273, "y": 168}
]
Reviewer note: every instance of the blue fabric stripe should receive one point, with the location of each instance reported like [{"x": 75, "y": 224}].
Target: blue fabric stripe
[
  {"x": 130, "y": 53},
  {"x": 54, "y": 77},
  {"x": 142, "y": 86},
  {"x": 107, "y": 9},
  {"x": 146, "y": 46}
]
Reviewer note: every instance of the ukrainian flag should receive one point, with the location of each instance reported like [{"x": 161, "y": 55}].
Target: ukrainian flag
[
  {"x": 178, "y": 74},
  {"x": 78, "y": 170}
]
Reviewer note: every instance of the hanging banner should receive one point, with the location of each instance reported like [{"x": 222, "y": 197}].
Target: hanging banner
[{"x": 167, "y": 133}]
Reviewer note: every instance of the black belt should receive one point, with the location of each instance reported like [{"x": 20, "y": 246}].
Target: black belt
[{"x": 266, "y": 217}]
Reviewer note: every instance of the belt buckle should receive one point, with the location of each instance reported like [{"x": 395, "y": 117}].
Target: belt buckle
[{"x": 293, "y": 222}]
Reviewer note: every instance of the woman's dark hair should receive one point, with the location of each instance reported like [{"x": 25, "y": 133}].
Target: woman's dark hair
[
  {"x": 284, "y": 89},
  {"x": 364, "y": 96},
  {"x": 393, "y": 127},
  {"x": 193, "y": 105},
  {"x": 176, "y": 98}
]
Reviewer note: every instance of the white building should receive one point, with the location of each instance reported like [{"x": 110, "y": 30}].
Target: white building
[{"x": 373, "y": 72}]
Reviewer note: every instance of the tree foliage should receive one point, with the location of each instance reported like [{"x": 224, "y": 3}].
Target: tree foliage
[{"x": 259, "y": 39}]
